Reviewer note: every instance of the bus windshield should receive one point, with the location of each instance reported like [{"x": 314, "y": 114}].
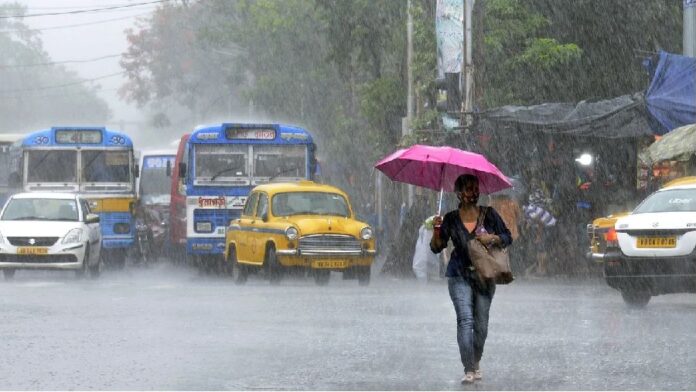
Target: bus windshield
[
  {"x": 52, "y": 166},
  {"x": 280, "y": 161},
  {"x": 105, "y": 166},
  {"x": 4, "y": 162},
  {"x": 155, "y": 186},
  {"x": 220, "y": 162}
]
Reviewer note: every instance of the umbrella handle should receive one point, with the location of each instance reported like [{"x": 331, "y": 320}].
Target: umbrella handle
[{"x": 439, "y": 203}]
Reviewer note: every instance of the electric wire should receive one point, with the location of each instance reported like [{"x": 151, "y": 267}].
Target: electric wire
[
  {"x": 8, "y": 66},
  {"x": 74, "y": 25},
  {"x": 82, "y": 11}
]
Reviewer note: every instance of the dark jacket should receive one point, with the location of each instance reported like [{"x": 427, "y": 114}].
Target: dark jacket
[{"x": 453, "y": 228}]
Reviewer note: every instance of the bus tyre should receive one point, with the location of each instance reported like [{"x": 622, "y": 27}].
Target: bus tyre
[
  {"x": 635, "y": 299},
  {"x": 9, "y": 274},
  {"x": 364, "y": 276},
  {"x": 321, "y": 277},
  {"x": 273, "y": 268}
]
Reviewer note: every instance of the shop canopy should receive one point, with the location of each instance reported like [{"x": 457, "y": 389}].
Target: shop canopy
[
  {"x": 675, "y": 145},
  {"x": 671, "y": 97},
  {"x": 620, "y": 117}
]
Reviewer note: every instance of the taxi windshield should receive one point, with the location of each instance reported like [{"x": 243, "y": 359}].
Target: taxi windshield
[
  {"x": 41, "y": 209},
  {"x": 675, "y": 200},
  {"x": 309, "y": 203}
]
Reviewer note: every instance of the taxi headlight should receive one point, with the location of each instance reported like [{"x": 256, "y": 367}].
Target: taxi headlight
[
  {"x": 73, "y": 236},
  {"x": 291, "y": 233},
  {"x": 366, "y": 233}
]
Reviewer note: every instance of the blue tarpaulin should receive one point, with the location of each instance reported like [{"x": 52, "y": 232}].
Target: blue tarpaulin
[{"x": 671, "y": 97}]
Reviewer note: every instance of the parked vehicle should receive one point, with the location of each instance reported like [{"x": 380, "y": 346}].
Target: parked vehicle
[
  {"x": 49, "y": 231},
  {"x": 299, "y": 225},
  {"x": 652, "y": 250}
]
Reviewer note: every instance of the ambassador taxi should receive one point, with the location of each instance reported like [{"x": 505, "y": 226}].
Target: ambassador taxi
[{"x": 299, "y": 225}]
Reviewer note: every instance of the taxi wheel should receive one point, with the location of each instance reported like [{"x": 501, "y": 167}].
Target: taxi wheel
[
  {"x": 635, "y": 299},
  {"x": 85, "y": 262},
  {"x": 364, "y": 276},
  {"x": 95, "y": 270},
  {"x": 273, "y": 268},
  {"x": 238, "y": 271},
  {"x": 322, "y": 277},
  {"x": 9, "y": 273}
]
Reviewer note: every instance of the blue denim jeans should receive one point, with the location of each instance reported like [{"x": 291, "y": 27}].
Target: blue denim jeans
[{"x": 472, "y": 304}]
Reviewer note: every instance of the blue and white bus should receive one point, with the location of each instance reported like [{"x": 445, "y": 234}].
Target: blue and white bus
[
  {"x": 224, "y": 163},
  {"x": 95, "y": 162},
  {"x": 9, "y": 182}
]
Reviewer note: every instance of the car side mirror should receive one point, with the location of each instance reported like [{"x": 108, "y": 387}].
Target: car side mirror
[
  {"x": 264, "y": 217},
  {"x": 182, "y": 169},
  {"x": 137, "y": 170},
  {"x": 169, "y": 168},
  {"x": 92, "y": 218}
]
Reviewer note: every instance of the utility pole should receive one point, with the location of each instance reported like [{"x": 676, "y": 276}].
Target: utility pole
[
  {"x": 406, "y": 127},
  {"x": 467, "y": 82},
  {"x": 689, "y": 30}
]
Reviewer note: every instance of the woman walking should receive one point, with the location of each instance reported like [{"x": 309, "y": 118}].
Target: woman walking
[{"x": 471, "y": 297}]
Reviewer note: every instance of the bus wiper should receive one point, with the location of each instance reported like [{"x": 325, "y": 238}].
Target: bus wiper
[
  {"x": 43, "y": 158},
  {"x": 223, "y": 171},
  {"x": 28, "y": 218},
  {"x": 93, "y": 159},
  {"x": 282, "y": 172}
]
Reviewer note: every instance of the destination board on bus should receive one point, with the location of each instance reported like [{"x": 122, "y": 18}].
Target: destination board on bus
[
  {"x": 250, "y": 133},
  {"x": 73, "y": 136}
]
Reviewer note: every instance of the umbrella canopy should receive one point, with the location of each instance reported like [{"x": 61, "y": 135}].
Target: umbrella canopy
[
  {"x": 677, "y": 142},
  {"x": 438, "y": 167}
]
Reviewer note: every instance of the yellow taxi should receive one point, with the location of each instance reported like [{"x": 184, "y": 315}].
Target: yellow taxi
[{"x": 302, "y": 225}]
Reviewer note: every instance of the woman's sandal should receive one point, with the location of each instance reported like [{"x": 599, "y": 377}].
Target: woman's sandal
[{"x": 468, "y": 378}]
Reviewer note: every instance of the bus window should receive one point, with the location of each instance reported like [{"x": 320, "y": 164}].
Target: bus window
[
  {"x": 52, "y": 166},
  {"x": 105, "y": 166},
  {"x": 275, "y": 161},
  {"x": 221, "y": 162}
]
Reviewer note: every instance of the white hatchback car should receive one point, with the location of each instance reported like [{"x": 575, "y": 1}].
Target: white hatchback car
[
  {"x": 653, "y": 250},
  {"x": 49, "y": 231}
]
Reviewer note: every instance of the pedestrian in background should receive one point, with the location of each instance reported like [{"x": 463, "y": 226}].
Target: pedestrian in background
[{"x": 471, "y": 297}]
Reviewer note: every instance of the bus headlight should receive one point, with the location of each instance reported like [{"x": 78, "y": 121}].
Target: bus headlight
[
  {"x": 204, "y": 227},
  {"x": 291, "y": 233},
  {"x": 366, "y": 233}
]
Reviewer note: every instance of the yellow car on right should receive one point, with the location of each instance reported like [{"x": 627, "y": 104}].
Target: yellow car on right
[{"x": 651, "y": 250}]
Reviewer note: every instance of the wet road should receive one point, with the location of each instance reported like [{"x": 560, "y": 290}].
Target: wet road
[{"x": 167, "y": 328}]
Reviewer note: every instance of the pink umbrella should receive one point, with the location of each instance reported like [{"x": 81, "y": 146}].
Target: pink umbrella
[{"x": 438, "y": 167}]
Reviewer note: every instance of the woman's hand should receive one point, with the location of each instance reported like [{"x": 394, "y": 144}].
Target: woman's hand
[
  {"x": 435, "y": 240},
  {"x": 488, "y": 239}
]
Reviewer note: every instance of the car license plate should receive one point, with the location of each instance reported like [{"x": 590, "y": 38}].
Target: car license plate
[
  {"x": 329, "y": 264},
  {"x": 32, "y": 251},
  {"x": 657, "y": 242}
]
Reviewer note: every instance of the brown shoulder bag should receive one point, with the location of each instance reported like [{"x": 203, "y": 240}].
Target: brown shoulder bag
[{"x": 491, "y": 263}]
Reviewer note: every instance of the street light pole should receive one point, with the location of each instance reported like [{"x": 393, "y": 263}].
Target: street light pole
[{"x": 468, "y": 67}]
